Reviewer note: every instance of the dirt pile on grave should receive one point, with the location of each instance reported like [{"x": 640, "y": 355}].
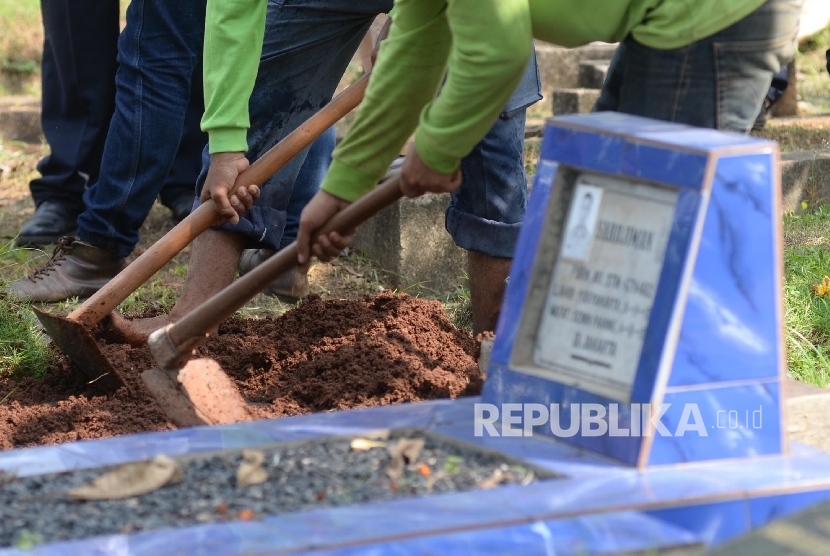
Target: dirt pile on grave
[{"x": 320, "y": 356}]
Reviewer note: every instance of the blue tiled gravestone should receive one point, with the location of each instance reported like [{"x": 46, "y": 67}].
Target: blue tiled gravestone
[{"x": 646, "y": 294}]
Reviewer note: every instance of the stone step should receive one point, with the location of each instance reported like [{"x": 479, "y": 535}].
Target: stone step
[
  {"x": 410, "y": 242},
  {"x": 559, "y": 66},
  {"x": 592, "y": 73},
  {"x": 20, "y": 119},
  {"x": 574, "y": 101}
]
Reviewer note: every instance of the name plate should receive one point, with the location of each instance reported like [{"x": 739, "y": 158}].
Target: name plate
[{"x": 603, "y": 285}]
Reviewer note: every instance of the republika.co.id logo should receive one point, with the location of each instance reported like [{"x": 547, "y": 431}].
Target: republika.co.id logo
[{"x": 593, "y": 419}]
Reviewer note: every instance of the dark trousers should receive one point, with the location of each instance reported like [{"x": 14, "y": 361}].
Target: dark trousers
[
  {"x": 79, "y": 64},
  {"x": 79, "y": 67}
]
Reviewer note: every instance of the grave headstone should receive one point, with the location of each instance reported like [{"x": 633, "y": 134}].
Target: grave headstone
[{"x": 644, "y": 307}]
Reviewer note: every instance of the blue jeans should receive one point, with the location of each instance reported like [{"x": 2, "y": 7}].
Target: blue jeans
[
  {"x": 154, "y": 138},
  {"x": 718, "y": 82},
  {"x": 308, "y": 45}
]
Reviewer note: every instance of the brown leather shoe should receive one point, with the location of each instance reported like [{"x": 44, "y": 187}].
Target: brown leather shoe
[
  {"x": 76, "y": 269},
  {"x": 288, "y": 288}
]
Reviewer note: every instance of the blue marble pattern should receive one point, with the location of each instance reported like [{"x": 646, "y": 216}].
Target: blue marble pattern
[
  {"x": 595, "y": 534},
  {"x": 668, "y": 289},
  {"x": 714, "y": 523},
  {"x": 516, "y": 290},
  {"x": 591, "y": 490},
  {"x": 731, "y": 327},
  {"x": 740, "y": 421}
]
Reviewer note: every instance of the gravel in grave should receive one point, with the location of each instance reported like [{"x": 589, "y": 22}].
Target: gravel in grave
[{"x": 301, "y": 476}]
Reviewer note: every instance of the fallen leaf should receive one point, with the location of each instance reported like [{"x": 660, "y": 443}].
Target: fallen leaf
[
  {"x": 494, "y": 480},
  {"x": 363, "y": 444},
  {"x": 401, "y": 452},
  {"x": 822, "y": 289},
  {"x": 424, "y": 470},
  {"x": 131, "y": 479},
  {"x": 250, "y": 471},
  {"x": 320, "y": 495},
  {"x": 351, "y": 271},
  {"x": 246, "y": 515},
  {"x": 222, "y": 508}
]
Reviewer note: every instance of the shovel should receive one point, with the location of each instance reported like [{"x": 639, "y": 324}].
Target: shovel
[
  {"x": 198, "y": 392},
  {"x": 72, "y": 333}
]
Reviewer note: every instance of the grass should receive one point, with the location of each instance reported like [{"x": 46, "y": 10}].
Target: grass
[
  {"x": 21, "y": 44},
  {"x": 24, "y": 350},
  {"x": 814, "y": 81},
  {"x": 806, "y": 261}
]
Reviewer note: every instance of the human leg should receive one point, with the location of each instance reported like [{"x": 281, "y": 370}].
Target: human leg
[
  {"x": 158, "y": 52},
  {"x": 487, "y": 211},
  {"x": 180, "y": 188},
  {"x": 79, "y": 64}
]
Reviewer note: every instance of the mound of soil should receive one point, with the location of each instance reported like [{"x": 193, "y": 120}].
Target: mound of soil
[{"x": 323, "y": 355}]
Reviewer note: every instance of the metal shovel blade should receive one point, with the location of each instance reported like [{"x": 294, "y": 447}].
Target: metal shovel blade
[
  {"x": 200, "y": 393},
  {"x": 81, "y": 348}
]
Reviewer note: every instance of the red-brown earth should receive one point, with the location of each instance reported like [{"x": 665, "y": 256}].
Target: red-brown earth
[{"x": 320, "y": 356}]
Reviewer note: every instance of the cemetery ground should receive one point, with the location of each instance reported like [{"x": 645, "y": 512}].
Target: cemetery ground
[{"x": 27, "y": 355}]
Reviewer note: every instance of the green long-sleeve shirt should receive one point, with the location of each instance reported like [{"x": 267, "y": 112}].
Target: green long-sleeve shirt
[
  {"x": 485, "y": 44},
  {"x": 234, "y": 30}
]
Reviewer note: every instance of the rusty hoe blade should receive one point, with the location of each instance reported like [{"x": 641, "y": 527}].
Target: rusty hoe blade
[
  {"x": 200, "y": 393},
  {"x": 79, "y": 345}
]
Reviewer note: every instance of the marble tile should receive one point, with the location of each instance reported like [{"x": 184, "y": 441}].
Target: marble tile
[
  {"x": 663, "y": 165},
  {"x": 731, "y": 327},
  {"x": 603, "y": 534},
  {"x": 765, "y": 509},
  {"x": 583, "y": 149},
  {"x": 718, "y": 423},
  {"x": 713, "y": 523},
  {"x": 526, "y": 246}
]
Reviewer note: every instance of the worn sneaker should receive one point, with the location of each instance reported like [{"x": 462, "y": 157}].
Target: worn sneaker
[
  {"x": 288, "y": 288},
  {"x": 76, "y": 269}
]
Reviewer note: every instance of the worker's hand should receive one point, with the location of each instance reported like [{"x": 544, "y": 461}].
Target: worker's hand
[
  {"x": 316, "y": 213},
  {"x": 417, "y": 178},
  {"x": 223, "y": 171},
  {"x": 384, "y": 32}
]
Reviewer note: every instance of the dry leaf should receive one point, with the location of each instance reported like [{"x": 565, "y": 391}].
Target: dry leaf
[
  {"x": 822, "y": 289},
  {"x": 494, "y": 480},
  {"x": 250, "y": 471},
  {"x": 131, "y": 479},
  {"x": 424, "y": 470},
  {"x": 351, "y": 271},
  {"x": 246, "y": 515},
  {"x": 401, "y": 452},
  {"x": 222, "y": 508},
  {"x": 363, "y": 444}
]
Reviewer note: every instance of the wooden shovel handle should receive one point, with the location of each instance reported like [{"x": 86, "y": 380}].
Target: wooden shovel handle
[
  {"x": 128, "y": 280},
  {"x": 191, "y": 329}
]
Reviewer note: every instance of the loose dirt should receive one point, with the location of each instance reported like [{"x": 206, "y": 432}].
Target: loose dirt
[{"x": 323, "y": 355}]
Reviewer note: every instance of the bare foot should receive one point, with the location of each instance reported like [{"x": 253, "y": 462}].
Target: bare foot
[{"x": 136, "y": 331}]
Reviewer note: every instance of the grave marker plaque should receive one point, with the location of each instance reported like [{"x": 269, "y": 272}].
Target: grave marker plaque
[{"x": 599, "y": 300}]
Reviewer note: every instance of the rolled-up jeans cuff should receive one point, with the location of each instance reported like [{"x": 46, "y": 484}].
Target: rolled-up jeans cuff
[{"x": 473, "y": 233}]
